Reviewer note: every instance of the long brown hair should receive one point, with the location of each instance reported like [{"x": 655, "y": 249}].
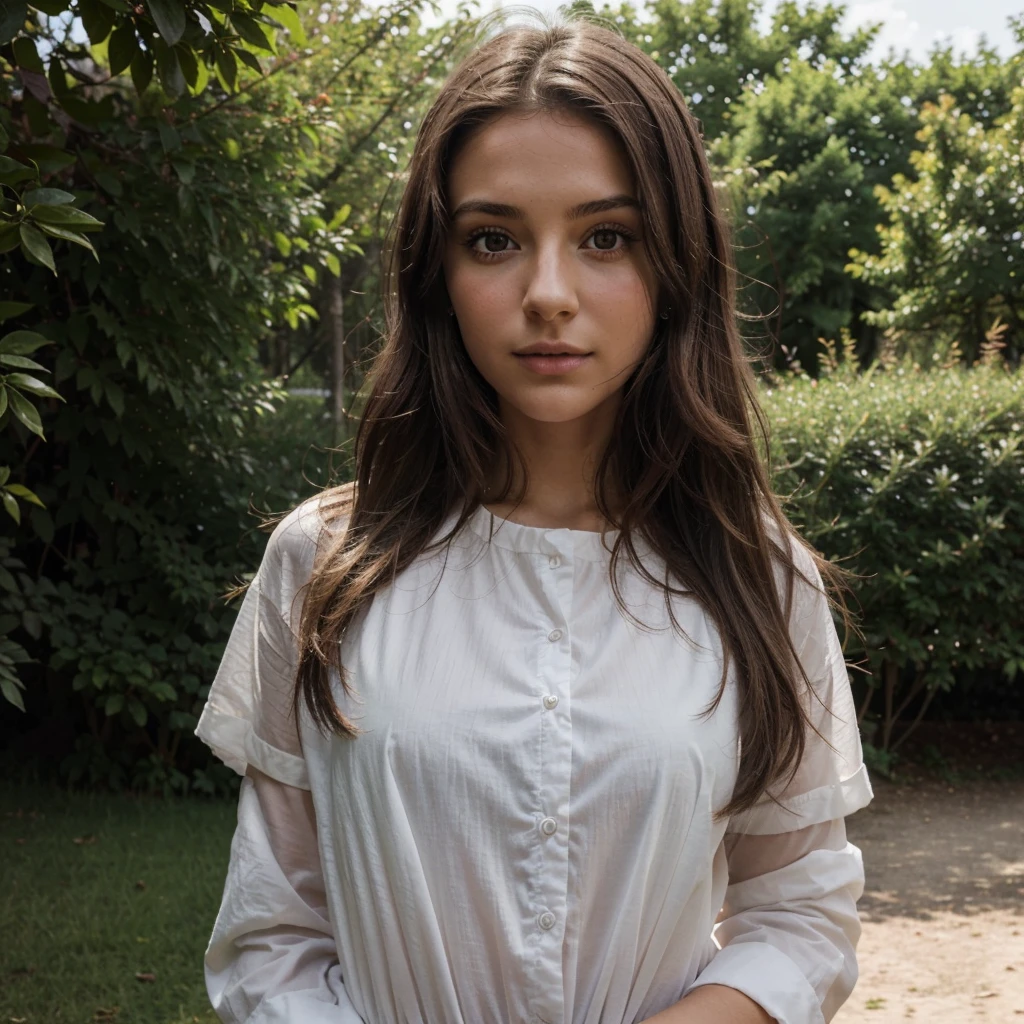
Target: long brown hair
[{"x": 685, "y": 449}]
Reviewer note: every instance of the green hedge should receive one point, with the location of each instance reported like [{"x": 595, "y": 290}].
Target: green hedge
[{"x": 914, "y": 481}]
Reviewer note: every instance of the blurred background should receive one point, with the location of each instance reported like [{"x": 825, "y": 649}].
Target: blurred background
[{"x": 194, "y": 198}]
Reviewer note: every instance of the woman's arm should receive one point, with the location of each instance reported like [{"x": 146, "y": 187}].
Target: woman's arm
[
  {"x": 272, "y": 958},
  {"x": 713, "y": 1004},
  {"x": 788, "y": 932}
]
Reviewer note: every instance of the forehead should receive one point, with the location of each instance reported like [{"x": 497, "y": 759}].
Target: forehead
[{"x": 550, "y": 154}]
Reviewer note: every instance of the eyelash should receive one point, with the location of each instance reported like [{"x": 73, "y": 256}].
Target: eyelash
[{"x": 627, "y": 236}]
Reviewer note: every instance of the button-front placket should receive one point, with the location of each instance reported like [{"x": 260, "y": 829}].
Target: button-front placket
[{"x": 553, "y": 819}]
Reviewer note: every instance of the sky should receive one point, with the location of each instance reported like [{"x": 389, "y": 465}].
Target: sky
[{"x": 912, "y": 25}]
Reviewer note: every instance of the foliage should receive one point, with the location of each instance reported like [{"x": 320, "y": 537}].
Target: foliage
[
  {"x": 953, "y": 250},
  {"x": 803, "y": 131},
  {"x": 914, "y": 481},
  {"x": 224, "y": 217}
]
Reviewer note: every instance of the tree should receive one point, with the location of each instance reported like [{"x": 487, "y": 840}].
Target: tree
[{"x": 952, "y": 249}]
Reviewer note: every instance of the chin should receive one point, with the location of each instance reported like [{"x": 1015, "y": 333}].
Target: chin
[{"x": 547, "y": 410}]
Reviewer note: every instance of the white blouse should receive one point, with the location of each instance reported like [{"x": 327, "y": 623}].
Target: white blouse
[{"x": 523, "y": 833}]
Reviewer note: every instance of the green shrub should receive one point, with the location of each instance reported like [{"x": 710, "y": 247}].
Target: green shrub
[{"x": 914, "y": 481}]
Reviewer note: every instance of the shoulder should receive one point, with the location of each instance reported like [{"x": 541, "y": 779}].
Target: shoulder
[
  {"x": 791, "y": 551},
  {"x": 296, "y": 541}
]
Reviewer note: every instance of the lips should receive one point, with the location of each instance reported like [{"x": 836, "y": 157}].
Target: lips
[
  {"x": 550, "y": 348},
  {"x": 553, "y": 362}
]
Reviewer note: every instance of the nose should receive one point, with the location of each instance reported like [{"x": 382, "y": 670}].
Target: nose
[{"x": 551, "y": 289}]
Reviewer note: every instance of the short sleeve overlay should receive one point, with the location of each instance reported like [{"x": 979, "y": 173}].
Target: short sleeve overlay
[
  {"x": 524, "y": 828},
  {"x": 831, "y": 780},
  {"x": 248, "y": 716}
]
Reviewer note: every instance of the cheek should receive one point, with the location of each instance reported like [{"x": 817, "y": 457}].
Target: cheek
[
  {"x": 485, "y": 302},
  {"x": 621, "y": 306}
]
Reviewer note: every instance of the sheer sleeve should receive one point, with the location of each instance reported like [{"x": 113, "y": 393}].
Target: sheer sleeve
[
  {"x": 789, "y": 928},
  {"x": 272, "y": 958},
  {"x": 831, "y": 780},
  {"x": 248, "y": 719}
]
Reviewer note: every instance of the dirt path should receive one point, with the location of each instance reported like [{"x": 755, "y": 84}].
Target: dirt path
[{"x": 943, "y": 911}]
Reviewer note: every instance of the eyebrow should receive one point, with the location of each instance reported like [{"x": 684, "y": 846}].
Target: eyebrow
[{"x": 587, "y": 209}]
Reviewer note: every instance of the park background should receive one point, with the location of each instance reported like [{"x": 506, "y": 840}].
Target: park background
[{"x": 195, "y": 198}]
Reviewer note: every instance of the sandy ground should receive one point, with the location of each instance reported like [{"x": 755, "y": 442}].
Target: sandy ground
[{"x": 943, "y": 910}]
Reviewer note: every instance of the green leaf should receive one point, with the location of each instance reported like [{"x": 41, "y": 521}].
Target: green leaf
[
  {"x": 57, "y": 79},
  {"x": 48, "y": 158},
  {"x": 3, "y": 400},
  {"x": 70, "y": 236},
  {"x": 169, "y": 137},
  {"x": 33, "y": 385},
  {"x": 10, "y": 238},
  {"x": 189, "y": 64},
  {"x": 12, "y": 19},
  {"x": 332, "y": 262},
  {"x": 227, "y": 66},
  {"x": 35, "y": 245},
  {"x": 287, "y": 18},
  {"x": 9, "y": 688},
  {"x": 284, "y": 245},
  {"x": 185, "y": 169},
  {"x": 250, "y": 30},
  {"x": 11, "y": 505},
  {"x": 26, "y": 55},
  {"x": 340, "y": 217},
  {"x": 22, "y": 362},
  {"x": 249, "y": 59},
  {"x": 9, "y": 310},
  {"x": 11, "y": 171},
  {"x": 109, "y": 182},
  {"x": 21, "y": 343},
  {"x": 310, "y": 272},
  {"x": 25, "y": 411},
  {"x": 138, "y": 711},
  {"x": 66, "y": 217},
  {"x": 33, "y": 623},
  {"x": 113, "y": 704},
  {"x": 202, "y": 79},
  {"x": 123, "y": 47},
  {"x": 47, "y": 197},
  {"x": 97, "y": 19},
  {"x": 25, "y": 494},
  {"x": 142, "y": 71},
  {"x": 168, "y": 69},
  {"x": 169, "y": 18}
]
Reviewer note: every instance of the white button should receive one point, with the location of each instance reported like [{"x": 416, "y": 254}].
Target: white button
[
  {"x": 546, "y": 920},
  {"x": 551, "y": 701},
  {"x": 555, "y": 635},
  {"x": 554, "y": 561},
  {"x": 548, "y": 826}
]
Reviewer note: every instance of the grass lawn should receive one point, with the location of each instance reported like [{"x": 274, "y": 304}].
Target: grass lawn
[{"x": 99, "y": 888}]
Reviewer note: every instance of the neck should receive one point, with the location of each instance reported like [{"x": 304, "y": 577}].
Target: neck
[{"x": 561, "y": 460}]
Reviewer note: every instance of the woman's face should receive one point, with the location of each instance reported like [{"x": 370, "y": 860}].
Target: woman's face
[{"x": 546, "y": 256}]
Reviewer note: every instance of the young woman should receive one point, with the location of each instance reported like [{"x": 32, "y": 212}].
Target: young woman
[{"x": 554, "y": 687}]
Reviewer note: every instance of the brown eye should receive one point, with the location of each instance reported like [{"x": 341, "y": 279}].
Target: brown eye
[
  {"x": 493, "y": 242},
  {"x": 605, "y": 239}
]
